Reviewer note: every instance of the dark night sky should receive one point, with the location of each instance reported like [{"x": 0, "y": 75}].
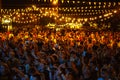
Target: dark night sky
[
  {"x": 22, "y": 3},
  {"x": 15, "y": 3},
  {"x": 26, "y": 3}
]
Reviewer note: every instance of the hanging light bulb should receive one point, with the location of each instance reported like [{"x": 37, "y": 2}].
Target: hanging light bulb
[
  {"x": 85, "y": 19},
  {"x": 115, "y": 11},
  {"x": 100, "y": 16},
  {"x": 73, "y": 1},
  {"x": 55, "y": 2},
  {"x": 89, "y": 3},
  {"x": 68, "y": 1}
]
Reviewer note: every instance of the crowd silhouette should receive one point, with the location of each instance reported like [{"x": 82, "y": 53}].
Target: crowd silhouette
[{"x": 34, "y": 54}]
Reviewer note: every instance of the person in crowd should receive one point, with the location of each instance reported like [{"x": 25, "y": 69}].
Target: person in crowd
[{"x": 34, "y": 54}]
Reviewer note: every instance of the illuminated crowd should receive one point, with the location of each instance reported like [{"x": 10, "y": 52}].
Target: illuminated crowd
[{"x": 34, "y": 54}]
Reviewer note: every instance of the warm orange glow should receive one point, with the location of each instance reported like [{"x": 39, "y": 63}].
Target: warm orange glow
[
  {"x": 115, "y": 11},
  {"x": 55, "y": 2}
]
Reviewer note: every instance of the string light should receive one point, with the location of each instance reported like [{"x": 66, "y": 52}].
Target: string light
[{"x": 18, "y": 14}]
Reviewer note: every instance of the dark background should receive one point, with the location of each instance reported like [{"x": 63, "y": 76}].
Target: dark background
[{"x": 24, "y": 3}]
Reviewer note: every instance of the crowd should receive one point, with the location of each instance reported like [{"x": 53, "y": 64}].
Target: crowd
[{"x": 34, "y": 54}]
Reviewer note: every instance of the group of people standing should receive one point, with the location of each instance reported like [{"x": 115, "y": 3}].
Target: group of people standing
[{"x": 34, "y": 54}]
